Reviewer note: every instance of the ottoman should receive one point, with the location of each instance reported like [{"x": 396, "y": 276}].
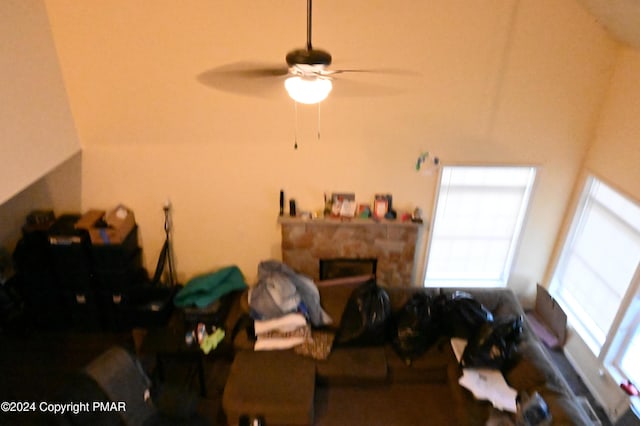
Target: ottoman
[{"x": 275, "y": 385}]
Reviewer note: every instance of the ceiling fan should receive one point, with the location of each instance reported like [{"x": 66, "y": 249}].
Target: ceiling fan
[{"x": 307, "y": 77}]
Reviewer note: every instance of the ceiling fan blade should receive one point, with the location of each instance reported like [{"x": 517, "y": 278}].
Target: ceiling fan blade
[
  {"x": 386, "y": 71},
  {"x": 245, "y": 78},
  {"x": 245, "y": 69},
  {"x": 350, "y": 88}
]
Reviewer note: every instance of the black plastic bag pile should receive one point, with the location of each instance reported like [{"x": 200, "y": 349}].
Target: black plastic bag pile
[
  {"x": 494, "y": 344},
  {"x": 424, "y": 319},
  {"x": 416, "y": 327},
  {"x": 367, "y": 320},
  {"x": 365, "y": 317}
]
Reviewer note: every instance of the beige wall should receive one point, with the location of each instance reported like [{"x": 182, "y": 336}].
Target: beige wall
[
  {"x": 58, "y": 190},
  {"x": 40, "y": 163},
  {"x": 501, "y": 81},
  {"x": 37, "y": 130},
  {"x": 615, "y": 152}
]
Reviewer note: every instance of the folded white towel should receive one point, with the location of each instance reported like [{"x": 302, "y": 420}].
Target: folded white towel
[
  {"x": 277, "y": 343},
  {"x": 285, "y": 323}
]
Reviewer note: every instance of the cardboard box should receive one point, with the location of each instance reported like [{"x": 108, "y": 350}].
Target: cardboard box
[
  {"x": 548, "y": 320},
  {"x": 110, "y": 227}
]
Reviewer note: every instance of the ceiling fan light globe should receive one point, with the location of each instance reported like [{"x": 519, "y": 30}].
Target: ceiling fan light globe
[{"x": 306, "y": 90}]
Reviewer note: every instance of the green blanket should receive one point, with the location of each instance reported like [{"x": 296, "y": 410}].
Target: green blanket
[{"x": 205, "y": 289}]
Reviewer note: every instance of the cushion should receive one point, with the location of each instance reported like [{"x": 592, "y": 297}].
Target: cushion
[
  {"x": 430, "y": 367},
  {"x": 533, "y": 369},
  {"x": 278, "y": 386},
  {"x": 354, "y": 365}
]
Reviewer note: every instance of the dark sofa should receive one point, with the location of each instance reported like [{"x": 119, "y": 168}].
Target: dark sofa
[{"x": 375, "y": 386}]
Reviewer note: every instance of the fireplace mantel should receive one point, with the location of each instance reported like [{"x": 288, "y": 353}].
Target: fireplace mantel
[
  {"x": 392, "y": 243},
  {"x": 288, "y": 220}
]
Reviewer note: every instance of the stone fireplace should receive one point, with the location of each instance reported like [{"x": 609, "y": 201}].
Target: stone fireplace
[
  {"x": 347, "y": 267},
  {"x": 392, "y": 244}
]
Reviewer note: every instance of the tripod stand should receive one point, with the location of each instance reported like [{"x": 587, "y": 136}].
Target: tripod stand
[{"x": 166, "y": 256}]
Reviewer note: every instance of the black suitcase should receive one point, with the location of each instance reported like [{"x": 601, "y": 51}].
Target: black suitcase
[
  {"x": 71, "y": 254},
  {"x": 83, "y": 310},
  {"x": 121, "y": 276},
  {"x": 43, "y": 303}
]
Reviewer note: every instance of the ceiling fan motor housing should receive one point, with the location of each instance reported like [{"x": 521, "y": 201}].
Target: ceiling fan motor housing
[{"x": 308, "y": 57}]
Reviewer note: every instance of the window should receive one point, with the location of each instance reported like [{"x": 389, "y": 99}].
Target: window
[
  {"x": 598, "y": 261},
  {"x": 479, "y": 213},
  {"x": 622, "y": 359},
  {"x": 596, "y": 278}
]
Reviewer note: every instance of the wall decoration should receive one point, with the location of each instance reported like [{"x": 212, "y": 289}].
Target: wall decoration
[{"x": 426, "y": 164}]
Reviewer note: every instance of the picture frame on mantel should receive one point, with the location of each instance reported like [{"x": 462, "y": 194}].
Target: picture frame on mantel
[
  {"x": 338, "y": 200},
  {"x": 380, "y": 207},
  {"x": 348, "y": 208}
]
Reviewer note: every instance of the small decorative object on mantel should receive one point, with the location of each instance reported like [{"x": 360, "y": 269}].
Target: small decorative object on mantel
[
  {"x": 281, "y": 202},
  {"x": 348, "y": 208},
  {"x": 405, "y": 217},
  {"x": 340, "y": 198},
  {"x": 382, "y": 211},
  {"x": 364, "y": 211},
  {"x": 380, "y": 206},
  {"x": 416, "y": 217},
  {"x": 328, "y": 202},
  {"x": 292, "y": 207}
]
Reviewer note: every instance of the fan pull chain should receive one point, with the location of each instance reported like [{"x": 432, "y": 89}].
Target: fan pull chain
[
  {"x": 295, "y": 125},
  {"x": 319, "y": 103}
]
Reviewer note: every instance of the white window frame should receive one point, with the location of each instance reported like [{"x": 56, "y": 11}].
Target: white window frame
[
  {"x": 502, "y": 280},
  {"x": 627, "y": 316},
  {"x": 626, "y": 328}
]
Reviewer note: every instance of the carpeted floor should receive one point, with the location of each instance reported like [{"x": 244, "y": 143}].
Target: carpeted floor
[{"x": 35, "y": 365}]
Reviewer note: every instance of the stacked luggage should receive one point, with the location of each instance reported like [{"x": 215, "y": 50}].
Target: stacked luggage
[
  {"x": 94, "y": 277},
  {"x": 36, "y": 276}
]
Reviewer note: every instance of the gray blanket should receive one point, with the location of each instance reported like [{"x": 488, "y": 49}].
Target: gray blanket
[{"x": 280, "y": 291}]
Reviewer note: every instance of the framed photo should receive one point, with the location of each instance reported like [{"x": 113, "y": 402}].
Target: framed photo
[
  {"x": 336, "y": 207},
  {"x": 338, "y": 199},
  {"x": 348, "y": 208},
  {"x": 380, "y": 207}
]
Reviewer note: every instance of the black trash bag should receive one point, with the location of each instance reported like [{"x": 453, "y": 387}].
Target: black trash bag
[
  {"x": 416, "y": 327},
  {"x": 462, "y": 315},
  {"x": 494, "y": 344},
  {"x": 365, "y": 317}
]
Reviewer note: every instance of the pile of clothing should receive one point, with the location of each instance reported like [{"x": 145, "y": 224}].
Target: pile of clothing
[
  {"x": 285, "y": 332},
  {"x": 284, "y": 306}
]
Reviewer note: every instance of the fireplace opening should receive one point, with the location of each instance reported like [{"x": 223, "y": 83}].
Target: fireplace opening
[{"x": 346, "y": 267}]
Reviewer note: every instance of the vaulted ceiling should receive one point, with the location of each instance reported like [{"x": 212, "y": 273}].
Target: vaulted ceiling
[{"x": 620, "y": 17}]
